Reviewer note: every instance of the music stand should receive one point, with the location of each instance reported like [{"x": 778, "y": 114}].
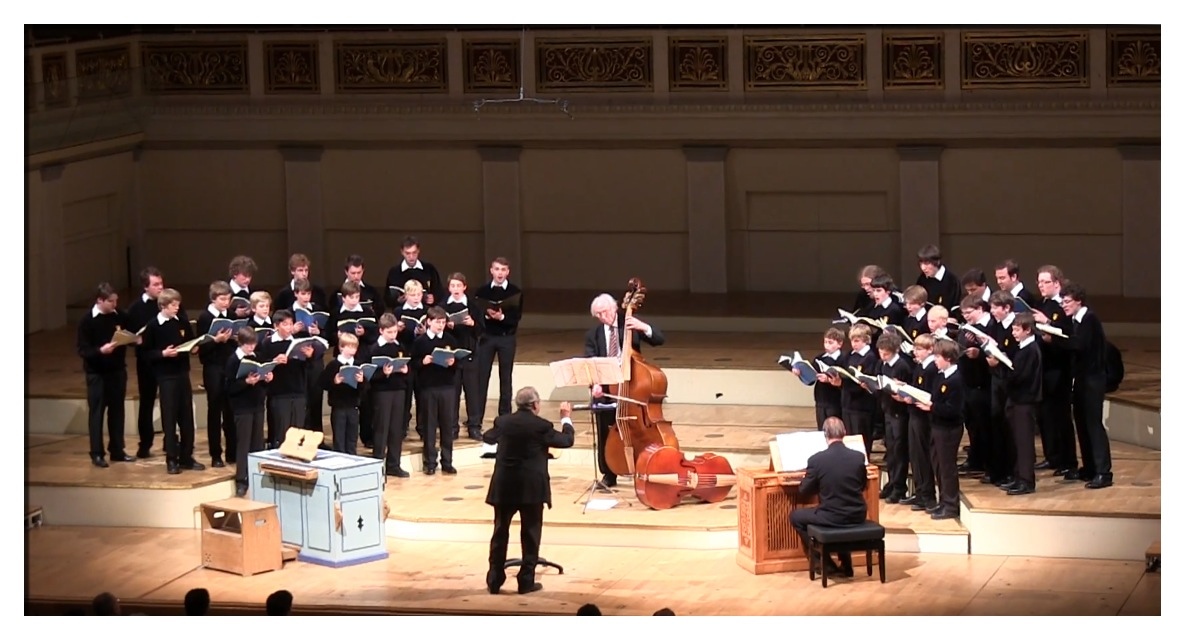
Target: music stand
[{"x": 586, "y": 372}]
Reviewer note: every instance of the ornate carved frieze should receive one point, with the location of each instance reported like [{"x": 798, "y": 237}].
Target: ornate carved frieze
[
  {"x": 53, "y": 80},
  {"x": 913, "y": 61},
  {"x": 1002, "y": 60},
  {"x": 104, "y": 73},
  {"x": 492, "y": 65},
  {"x": 392, "y": 67},
  {"x": 291, "y": 67},
  {"x": 208, "y": 67},
  {"x": 1133, "y": 58},
  {"x": 805, "y": 62},
  {"x": 698, "y": 64},
  {"x": 594, "y": 65}
]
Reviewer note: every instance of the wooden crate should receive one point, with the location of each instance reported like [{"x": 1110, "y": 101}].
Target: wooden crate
[
  {"x": 767, "y": 543},
  {"x": 241, "y": 536}
]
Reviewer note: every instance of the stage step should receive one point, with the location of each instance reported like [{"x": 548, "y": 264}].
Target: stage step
[
  {"x": 33, "y": 517},
  {"x": 1152, "y": 557}
]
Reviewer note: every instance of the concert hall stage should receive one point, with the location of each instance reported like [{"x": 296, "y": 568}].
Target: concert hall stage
[{"x": 131, "y": 529}]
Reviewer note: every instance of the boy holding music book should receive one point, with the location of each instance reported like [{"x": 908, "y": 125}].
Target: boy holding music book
[
  {"x": 245, "y": 393},
  {"x": 167, "y": 343},
  {"x": 946, "y": 424},
  {"x": 388, "y": 394},
  {"x": 215, "y": 324},
  {"x": 344, "y": 396},
  {"x": 857, "y": 403},
  {"x": 916, "y": 395},
  {"x": 894, "y": 367},
  {"x": 464, "y": 329},
  {"x": 104, "y": 362},
  {"x": 1022, "y": 399},
  {"x": 411, "y": 326},
  {"x": 433, "y": 359},
  {"x": 311, "y": 322}
]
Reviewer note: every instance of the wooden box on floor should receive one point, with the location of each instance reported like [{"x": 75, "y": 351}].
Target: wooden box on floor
[
  {"x": 241, "y": 536},
  {"x": 766, "y": 541}
]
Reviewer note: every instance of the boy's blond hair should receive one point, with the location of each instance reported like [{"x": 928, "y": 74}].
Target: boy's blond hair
[
  {"x": 167, "y": 297},
  {"x": 924, "y": 341},
  {"x": 219, "y": 288},
  {"x": 413, "y": 286},
  {"x": 258, "y": 297},
  {"x": 347, "y": 340},
  {"x": 915, "y": 294},
  {"x": 860, "y": 332},
  {"x": 938, "y": 311}
]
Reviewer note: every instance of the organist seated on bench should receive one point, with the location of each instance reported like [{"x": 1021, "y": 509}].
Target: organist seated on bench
[{"x": 838, "y": 475}]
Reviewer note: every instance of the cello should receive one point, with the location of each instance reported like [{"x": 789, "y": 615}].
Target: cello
[{"x": 644, "y": 445}]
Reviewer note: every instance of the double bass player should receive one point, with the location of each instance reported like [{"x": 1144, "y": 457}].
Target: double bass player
[{"x": 606, "y": 340}]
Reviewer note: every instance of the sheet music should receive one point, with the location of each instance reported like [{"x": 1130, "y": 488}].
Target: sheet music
[
  {"x": 584, "y": 372},
  {"x": 794, "y": 449}
]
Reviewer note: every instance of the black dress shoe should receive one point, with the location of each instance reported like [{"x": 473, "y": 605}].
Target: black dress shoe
[
  {"x": 894, "y": 498},
  {"x": 1099, "y": 481},
  {"x": 99, "y": 461},
  {"x": 1070, "y": 474},
  {"x": 1005, "y": 482},
  {"x": 922, "y": 506},
  {"x": 122, "y": 457},
  {"x": 398, "y": 473},
  {"x": 1043, "y": 465},
  {"x": 475, "y": 434},
  {"x": 911, "y": 500},
  {"x": 935, "y": 509},
  {"x": 143, "y": 453},
  {"x": 1021, "y": 488},
  {"x": 217, "y": 463},
  {"x": 1008, "y": 487},
  {"x": 173, "y": 467},
  {"x": 945, "y": 515},
  {"x": 240, "y": 491},
  {"x": 987, "y": 479},
  {"x": 448, "y": 469},
  {"x": 529, "y": 588},
  {"x": 609, "y": 480},
  {"x": 430, "y": 471},
  {"x": 193, "y": 465}
]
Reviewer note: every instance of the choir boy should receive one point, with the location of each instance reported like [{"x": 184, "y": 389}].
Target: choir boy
[
  {"x": 1001, "y": 460},
  {"x": 975, "y": 284},
  {"x": 498, "y": 327},
  {"x": 105, "y": 366},
  {"x": 942, "y": 286},
  {"x": 213, "y": 356},
  {"x": 465, "y": 333},
  {"x": 246, "y": 396},
  {"x": 857, "y": 403},
  {"x": 828, "y": 397},
  {"x": 915, "y": 312},
  {"x": 1023, "y": 396},
  {"x": 170, "y": 368},
  {"x": 368, "y": 296},
  {"x": 435, "y": 380},
  {"x": 299, "y": 268},
  {"x": 140, "y": 314},
  {"x": 413, "y": 268},
  {"x": 946, "y": 427},
  {"x": 388, "y": 393},
  {"x": 287, "y": 393},
  {"x": 411, "y": 317},
  {"x": 344, "y": 397},
  {"x": 305, "y": 294},
  {"x": 1057, "y": 425},
  {"x": 242, "y": 272},
  {"x": 1089, "y": 344},
  {"x": 898, "y": 367},
  {"x": 977, "y": 386},
  {"x": 921, "y": 462}
]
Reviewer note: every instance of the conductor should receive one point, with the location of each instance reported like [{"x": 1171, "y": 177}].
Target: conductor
[
  {"x": 838, "y": 475},
  {"x": 520, "y": 482}
]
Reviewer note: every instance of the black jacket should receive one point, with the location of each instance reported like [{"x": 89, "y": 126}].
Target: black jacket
[
  {"x": 520, "y": 470},
  {"x": 838, "y": 475}
]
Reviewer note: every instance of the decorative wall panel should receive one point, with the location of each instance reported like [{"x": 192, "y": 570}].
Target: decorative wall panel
[
  {"x": 215, "y": 67},
  {"x": 1019, "y": 59},
  {"x": 291, "y": 67},
  {"x": 913, "y": 61},
  {"x": 805, "y": 62},
  {"x": 594, "y": 65},
  {"x": 698, "y": 64},
  {"x": 104, "y": 73},
  {"x": 1133, "y": 58},
  {"x": 492, "y": 65},
  {"x": 392, "y": 67},
  {"x": 53, "y": 77}
]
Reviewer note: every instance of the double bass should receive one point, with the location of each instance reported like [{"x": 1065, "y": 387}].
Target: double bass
[{"x": 644, "y": 445}]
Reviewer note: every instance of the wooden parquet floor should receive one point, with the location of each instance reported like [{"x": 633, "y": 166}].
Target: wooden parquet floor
[{"x": 448, "y": 578}]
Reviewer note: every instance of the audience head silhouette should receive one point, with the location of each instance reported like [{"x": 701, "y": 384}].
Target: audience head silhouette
[
  {"x": 589, "y": 609},
  {"x": 106, "y": 604},
  {"x": 279, "y": 603},
  {"x": 665, "y": 611},
  {"x": 197, "y": 602}
]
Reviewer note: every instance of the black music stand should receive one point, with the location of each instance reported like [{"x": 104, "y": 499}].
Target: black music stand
[{"x": 596, "y": 484}]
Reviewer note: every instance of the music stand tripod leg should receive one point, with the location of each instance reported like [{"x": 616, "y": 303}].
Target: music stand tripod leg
[{"x": 596, "y": 481}]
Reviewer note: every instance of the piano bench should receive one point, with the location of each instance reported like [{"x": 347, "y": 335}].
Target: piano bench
[{"x": 866, "y": 537}]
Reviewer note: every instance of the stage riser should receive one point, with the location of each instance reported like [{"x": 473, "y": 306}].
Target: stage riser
[
  {"x": 1051, "y": 536},
  {"x": 1131, "y": 424},
  {"x": 116, "y": 507}
]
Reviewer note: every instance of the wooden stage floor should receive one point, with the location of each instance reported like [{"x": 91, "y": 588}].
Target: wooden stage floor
[{"x": 447, "y": 578}]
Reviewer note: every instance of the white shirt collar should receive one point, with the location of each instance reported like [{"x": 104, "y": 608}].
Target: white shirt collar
[
  {"x": 381, "y": 342},
  {"x": 1007, "y": 321},
  {"x": 95, "y": 313},
  {"x": 1017, "y": 288},
  {"x": 863, "y": 350},
  {"x": 235, "y": 288},
  {"x": 927, "y": 361},
  {"x": 296, "y": 306},
  {"x": 360, "y": 284},
  {"x": 351, "y": 309},
  {"x": 984, "y": 319},
  {"x": 145, "y": 297},
  {"x": 950, "y": 371},
  {"x": 214, "y": 310},
  {"x": 261, "y": 321},
  {"x": 941, "y": 273},
  {"x": 276, "y": 337},
  {"x": 1026, "y": 342},
  {"x": 886, "y": 302},
  {"x": 415, "y": 307},
  {"x": 941, "y": 333},
  {"x": 1057, "y": 297},
  {"x": 987, "y": 294},
  {"x": 345, "y": 360},
  {"x": 433, "y": 336},
  {"x": 921, "y": 313},
  {"x": 834, "y": 355},
  {"x": 893, "y": 360},
  {"x": 161, "y": 318},
  {"x": 501, "y": 286},
  {"x": 417, "y": 265},
  {"x": 240, "y": 354},
  {"x": 1081, "y": 313},
  {"x": 464, "y": 299}
]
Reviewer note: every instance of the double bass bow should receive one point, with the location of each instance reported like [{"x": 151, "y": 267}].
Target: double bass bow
[{"x": 644, "y": 445}]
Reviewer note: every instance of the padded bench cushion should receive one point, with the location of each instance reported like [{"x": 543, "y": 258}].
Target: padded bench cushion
[{"x": 867, "y": 531}]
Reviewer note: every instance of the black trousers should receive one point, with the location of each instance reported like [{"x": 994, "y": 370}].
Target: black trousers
[
  {"x": 824, "y": 411},
  {"x": 249, "y": 431},
  {"x": 176, "y": 416},
  {"x": 503, "y": 347},
  {"x": 921, "y": 458},
  {"x": 469, "y": 383},
  {"x": 412, "y": 396},
  {"x": 439, "y": 405},
  {"x": 897, "y": 450},
  {"x": 1002, "y": 457},
  {"x": 105, "y": 395},
  {"x": 314, "y": 419},
  {"x": 147, "y": 385},
  {"x": 219, "y": 418},
  {"x": 284, "y": 412},
  {"x": 1088, "y": 420},
  {"x": 945, "y": 445},
  {"x": 977, "y": 413},
  {"x": 859, "y": 422},
  {"x": 344, "y": 423},
  {"x": 366, "y": 418},
  {"x": 800, "y": 519},
  {"x": 1022, "y": 418},
  {"x": 530, "y": 534},
  {"x": 388, "y": 426},
  {"x": 1057, "y": 422}
]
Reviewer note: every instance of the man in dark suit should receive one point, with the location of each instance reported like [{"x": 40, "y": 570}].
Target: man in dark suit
[
  {"x": 607, "y": 339},
  {"x": 838, "y": 475},
  {"x": 520, "y": 483}
]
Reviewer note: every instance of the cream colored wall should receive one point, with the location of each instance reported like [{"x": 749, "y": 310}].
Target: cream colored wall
[
  {"x": 372, "y": 199},
  {"x": 1037, "y": 206},
  {"x": 199, "y": 208},
  {"x": 594, "y": 218},
  {"x": 808, "y": 219}
]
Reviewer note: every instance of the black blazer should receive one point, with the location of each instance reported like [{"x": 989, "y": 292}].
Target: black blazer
[
  {"x": 520, "y": 468},
  {"x": 838, "y": 475},
  {"x": 594, "y": 340}
]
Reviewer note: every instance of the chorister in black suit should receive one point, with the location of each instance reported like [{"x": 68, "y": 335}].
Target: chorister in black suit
[
  {"x": 424, "y": 273},
  {"x": 1057, "y": 425},
  {"x": 105, "y": 366},
  {"x": 838, "y": 475},
  {"x": 1023, "y": 397},
  {"x": 520, "y": 484},
  {"x": 898, "y": 367},
  {"x": 946, "y": 432},
  {"x": 1089, "y": 344},
  {"x": 611, "y": 331},
  {"x": 942, "y": 289},
  {"x": 140, "y": 313},
  {"x": 497, "y": 337},
  {"x": 468, "y": 382},
  {"x": 977, "y": 386}
]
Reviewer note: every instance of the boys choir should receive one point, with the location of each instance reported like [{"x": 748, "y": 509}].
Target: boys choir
[{"x": 1003, "y": 364}]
